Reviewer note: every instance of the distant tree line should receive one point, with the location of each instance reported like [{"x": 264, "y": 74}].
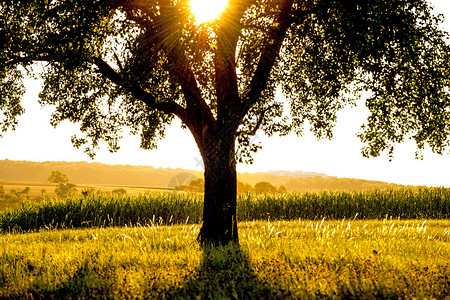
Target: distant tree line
[{"x": 262, "y": 187}]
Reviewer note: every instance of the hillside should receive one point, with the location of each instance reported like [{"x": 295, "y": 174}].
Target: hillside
[
  {"x": 94, "y": 173},
  {"x": 97, "y": 173}
]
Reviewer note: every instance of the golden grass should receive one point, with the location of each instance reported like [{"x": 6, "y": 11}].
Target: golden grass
[{"x": 299, "y": 259}]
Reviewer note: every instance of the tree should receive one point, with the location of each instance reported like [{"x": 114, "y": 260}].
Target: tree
[
  {"x": 264, "y": 188},
  {"x": 282, "y": 189},
  {"x": 197, "y": 185},
  {"x": 58, "y": 177},
  {"x": 243, "y": 187},
  {"x": 119, "y": 192},
  {"x": 64, "y": 188},
  {"x": 109, "y": 64},
  {"x": 18, "y": 194}
]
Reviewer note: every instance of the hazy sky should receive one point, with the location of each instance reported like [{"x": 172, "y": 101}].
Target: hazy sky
[{"x": 36, "y": 140}]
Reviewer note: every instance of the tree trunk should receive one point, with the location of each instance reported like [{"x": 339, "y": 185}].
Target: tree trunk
[{"x": 219, "y": 210}]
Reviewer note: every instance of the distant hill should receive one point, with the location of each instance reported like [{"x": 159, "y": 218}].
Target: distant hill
[
  {"x": 97, "y": 173},
  {"x": 277, "y": 177},
  {"x": 317, "y": 183}
]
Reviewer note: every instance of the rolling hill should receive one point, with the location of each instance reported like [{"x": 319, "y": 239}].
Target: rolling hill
[{"x": 97, "y": 173}]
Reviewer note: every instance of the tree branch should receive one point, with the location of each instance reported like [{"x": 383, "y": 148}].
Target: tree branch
[
  {"x": 259, "y": 122},
  {"x": 168, "y": 107},
  {"x": 15, "y": 59},
  {"x": 228, "y": 101},
  {"x": 268, "y": 56},
  {"x": 161, "y": 25},
  {"x": 166, "y": 34}
]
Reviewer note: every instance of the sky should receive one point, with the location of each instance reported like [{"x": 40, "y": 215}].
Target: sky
[{"x": 35, "y": 140}]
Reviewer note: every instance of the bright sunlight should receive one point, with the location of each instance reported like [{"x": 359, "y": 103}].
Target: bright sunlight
[{"x": 207, "y": 10}]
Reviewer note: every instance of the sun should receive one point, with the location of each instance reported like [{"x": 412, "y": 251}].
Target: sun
[{"x": 207, "y": 10}]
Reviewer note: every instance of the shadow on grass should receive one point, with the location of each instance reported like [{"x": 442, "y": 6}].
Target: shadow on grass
[{"x": 226, "y": 273}]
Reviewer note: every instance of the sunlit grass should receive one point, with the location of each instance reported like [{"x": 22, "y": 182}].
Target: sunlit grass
[{"x": 302, "y": 259}]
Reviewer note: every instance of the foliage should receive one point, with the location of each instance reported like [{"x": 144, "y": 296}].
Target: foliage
[
  {"x": 58, "y": 177},
  {"x": 388, "y": 259},
  {"x": 196, "y": 186},
  {"x": 64, "y": 190},
  {"x": 16, "y": 195},
  {"x": 183, "y": 208},
  {"x": 114, "y": 67},
  {"x": 88, "y": 192},
  {"x": 282, "y": 189},
  {"x": 243, "y": 187},
  {"x": 264, "y": 188},
  {"x": 119, "y": 192}
]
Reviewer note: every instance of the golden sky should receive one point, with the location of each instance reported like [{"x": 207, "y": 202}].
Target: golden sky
[{"x": 36, "y": 140}]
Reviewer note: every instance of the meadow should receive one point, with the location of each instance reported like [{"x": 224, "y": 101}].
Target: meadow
[
  {"x": 342, "y": 245},
  {"x": 357, "y": 259}
]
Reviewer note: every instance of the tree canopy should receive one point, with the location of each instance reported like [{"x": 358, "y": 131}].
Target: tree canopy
[
  {"x": 108, "y": 64},
  {"x": 58, "y": 177}
]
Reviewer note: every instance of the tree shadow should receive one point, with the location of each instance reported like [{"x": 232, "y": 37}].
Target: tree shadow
[{"x": 225, "y": 273}]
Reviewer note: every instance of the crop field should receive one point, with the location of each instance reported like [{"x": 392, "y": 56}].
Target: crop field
[
  {"x": 39, "y": 191},
  {"x": 37, "y": 187},
  {"x": 185, "y": 208},
  {"x": 379, "y": 244}
]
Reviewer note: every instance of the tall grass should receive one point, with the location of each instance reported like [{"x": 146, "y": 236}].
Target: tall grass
[
  {"x": 429, "y": 203},
  {"x": 97, "y": 211},
  {"x": 102, "y": 211},
  {"x": 301, "y": 259}
]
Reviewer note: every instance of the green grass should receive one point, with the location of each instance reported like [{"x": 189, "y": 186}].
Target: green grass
[
  {"x": 302, "y": 259},
  {"x": 182, "y": 208}
]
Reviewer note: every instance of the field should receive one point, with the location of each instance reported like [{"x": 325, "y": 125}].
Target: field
[
  {"x": 299, "y": 259},
  {"x": 39, "y": 191},
  {"x": 386, "y": 245}
]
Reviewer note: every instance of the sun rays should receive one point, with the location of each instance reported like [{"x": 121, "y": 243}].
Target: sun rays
[{"x": 207, "y": 10}]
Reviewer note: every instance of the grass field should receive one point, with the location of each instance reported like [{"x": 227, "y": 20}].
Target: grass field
[
  {"x": 360, "y": 259},
  {"x": 379, "y": 244},
  {"x": 37, "y": 187}
]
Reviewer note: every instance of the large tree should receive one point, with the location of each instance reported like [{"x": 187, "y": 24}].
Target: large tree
[{"x": 109, "y": 64}]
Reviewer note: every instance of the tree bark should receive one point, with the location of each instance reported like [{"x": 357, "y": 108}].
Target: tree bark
[{"x": 219, "y": 211}]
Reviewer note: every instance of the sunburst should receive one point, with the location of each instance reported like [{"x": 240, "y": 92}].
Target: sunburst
[{"x": 207, "y": 10}]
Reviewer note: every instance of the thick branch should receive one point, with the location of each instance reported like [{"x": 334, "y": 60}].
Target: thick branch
[
  {"x": 166, "y": 34},
  {"x": 15, "y": 59},
  {"x": 169, "y": 107},
  {"x": 269, "y": 55},
  {"x": 228, "y": 34},
  {"x": 161, "y": 29},
  {"x": 196, "y": 106}
]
